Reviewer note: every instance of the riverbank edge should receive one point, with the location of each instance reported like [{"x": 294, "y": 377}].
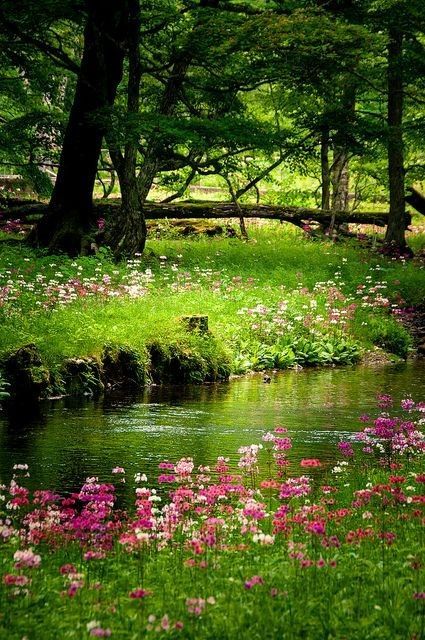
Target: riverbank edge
[{"x": 27, "y": 378}]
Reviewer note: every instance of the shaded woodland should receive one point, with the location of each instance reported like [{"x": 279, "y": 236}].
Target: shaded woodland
[{"x": 133, "y": 94}]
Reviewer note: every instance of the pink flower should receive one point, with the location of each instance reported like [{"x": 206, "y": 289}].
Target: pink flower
[
  {"x": 165, "y": 465},
  {"x": 195, "y": 606},
  {"x": 407, "y": 404},
  {"x": 164, "y": 478},
  {"x": 280, "y": 429},
  {"x": 346, "y": 449},
  {"x": 9, "y": 579},
  {"x": 74, "y": 586},
  {"x": 118, "y": 470},
  {"x": 98, "y": 632},
  {"x": 310, "y": 462},
  {"x": 136, "y": 594},
  {"x": 184, "y": 467},
  {"x": 165, "y": 622},
  {"x": 26, "y": 558},
  {"x": 385, "y": 401},
  {"x": 94, "y": 555},
  {"x": 66, "y": 569},
  {"x": 282, "y": 444},
  {"x": 253, "y": 581}
]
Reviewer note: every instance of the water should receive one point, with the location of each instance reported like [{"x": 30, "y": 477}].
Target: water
[{"x": 66, "y": 441}]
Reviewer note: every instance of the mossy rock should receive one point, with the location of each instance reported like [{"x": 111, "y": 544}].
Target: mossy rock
[
  {"x": 26, "y": 373},
  {"x": 181, "y": 364},
  {"x": 195, "y": 323},
  {"x": 82, "y": 376},
  {"x": 122, "y": 367}
]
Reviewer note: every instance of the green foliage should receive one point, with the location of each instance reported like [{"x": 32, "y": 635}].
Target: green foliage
[
  {"x": 391, "y": 336},
  {"x": 296, "y": 351}
]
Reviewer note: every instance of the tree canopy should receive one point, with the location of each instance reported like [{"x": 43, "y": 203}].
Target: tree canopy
[{"x": 170, "y": 91}]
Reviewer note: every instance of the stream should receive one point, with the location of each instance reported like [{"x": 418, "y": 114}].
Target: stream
[{"x": 65, "y": 441}]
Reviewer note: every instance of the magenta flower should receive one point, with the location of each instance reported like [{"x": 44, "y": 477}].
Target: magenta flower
[
  {"x": 346, "y": 449},
  {"x": 166, "y": 466},
  {"x": 253, "y": 581},
  {"x": 407, "y": 404},
  {"x": 138, "y": 594},
  {"x": 164, "y": 478}
]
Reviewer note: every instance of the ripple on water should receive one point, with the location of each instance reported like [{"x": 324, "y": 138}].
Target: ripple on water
[{"x": 68, "y": 440}]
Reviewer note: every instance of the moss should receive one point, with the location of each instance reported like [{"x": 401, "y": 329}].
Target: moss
[
  {"x": 26, "y": 373},
  {"x": 199, "y": 360},
  {"x": 82, "y": 376},
  {"x": 123, "y": 366}
]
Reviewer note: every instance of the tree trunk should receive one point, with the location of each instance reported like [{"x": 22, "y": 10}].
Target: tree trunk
[
  {"x": 69, "y": 216},
  {"x": 324, "y": 163},
  {"x": 151, "y": 162},
  {"x": 340, "y": 180},
  {"x": 340, "y": 175},
  {"x": 224, "y": 210},
  {"x": 395, "y": 239}
]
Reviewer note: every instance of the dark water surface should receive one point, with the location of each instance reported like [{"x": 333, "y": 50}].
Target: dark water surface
[{"x": 65, "y": 441}]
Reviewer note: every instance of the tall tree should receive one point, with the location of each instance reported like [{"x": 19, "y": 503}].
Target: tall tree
[
  {"x": 395, "y": 236},
  {"x": 65, "y": 226}
]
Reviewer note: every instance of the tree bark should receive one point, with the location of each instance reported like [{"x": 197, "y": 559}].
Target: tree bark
[
  {"x": 223, "y": 210},
  {"x": 68, "y": 219},
  {"x": 340, "y": 180},
  {"x": 340, "y": 175},
  {"x": 395, "y": 239},
  {"x": 416, "y": 200},
  {"x": 324, "y": 164}
]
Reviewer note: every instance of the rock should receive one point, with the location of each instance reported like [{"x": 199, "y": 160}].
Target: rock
[
  {"x": 26, "y": 373},
  {"x": 195, "y": 323},
  {"x": 82, "y": 376},
  {"x": 173, "y": 364},
  {"x": 122, "y": 366}
]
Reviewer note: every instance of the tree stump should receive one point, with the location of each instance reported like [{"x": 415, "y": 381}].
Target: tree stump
[{"x": 195, "y": 323}]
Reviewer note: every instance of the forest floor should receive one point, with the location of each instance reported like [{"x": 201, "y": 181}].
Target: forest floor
[{"x": 281, "y": 300}]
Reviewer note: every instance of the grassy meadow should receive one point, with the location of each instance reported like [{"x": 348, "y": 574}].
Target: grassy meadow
[{"x": 281, "y": 300}]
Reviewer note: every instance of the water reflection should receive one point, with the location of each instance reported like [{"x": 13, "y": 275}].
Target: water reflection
[{"x": 68, "y": 440}]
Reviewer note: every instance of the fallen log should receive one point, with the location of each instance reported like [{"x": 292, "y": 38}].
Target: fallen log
[{"x": 224, "y": 210}]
